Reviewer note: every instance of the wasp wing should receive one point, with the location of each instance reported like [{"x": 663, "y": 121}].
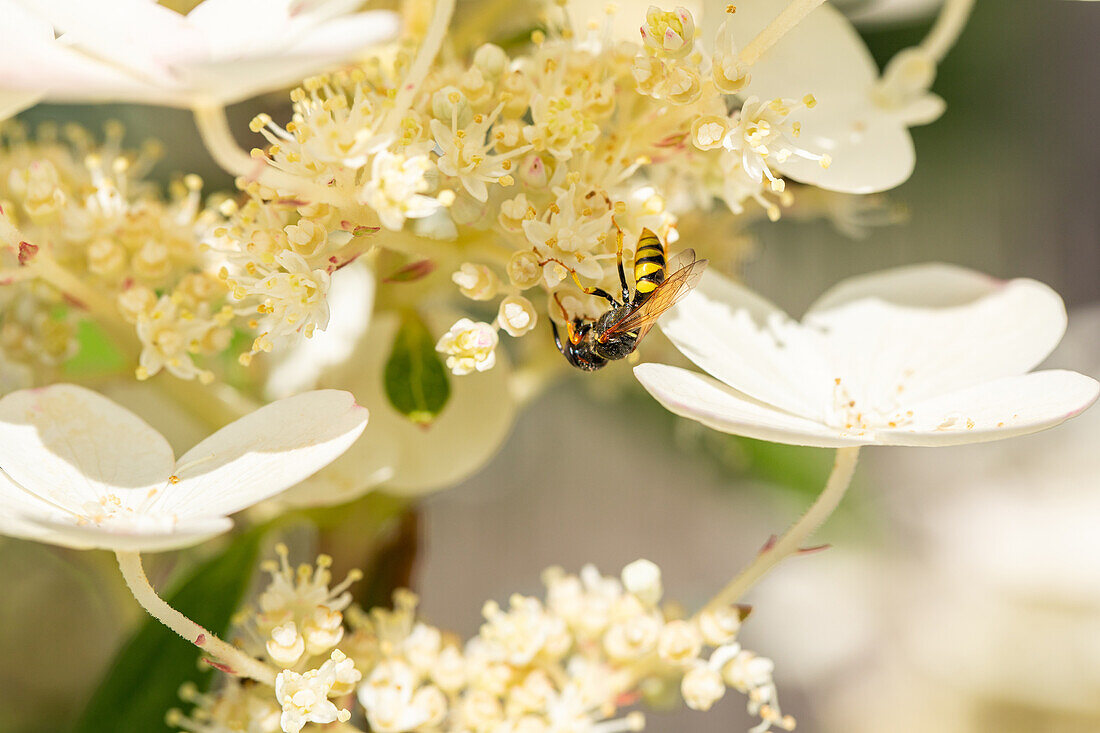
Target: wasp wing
[{"x": 686, "y": 271}]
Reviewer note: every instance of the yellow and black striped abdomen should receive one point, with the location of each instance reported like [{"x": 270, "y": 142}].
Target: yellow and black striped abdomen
[{"x": 649, "y": 266}]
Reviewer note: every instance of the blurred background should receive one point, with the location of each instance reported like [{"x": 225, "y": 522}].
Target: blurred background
[{"x": 962, "y": 590}]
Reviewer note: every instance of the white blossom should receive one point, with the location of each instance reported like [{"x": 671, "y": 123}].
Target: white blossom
[
  {"x": 469, "y": 346},
  {"x": 305, "y": 696},
  {"x": 80, "y": 471},
  {"x": 922, "y": 355},
  {"x": 222, "y": 51}
]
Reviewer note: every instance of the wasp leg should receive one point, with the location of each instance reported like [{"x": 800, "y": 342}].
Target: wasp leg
[
  {"x": 590, "y": 291},
  {"x": 619, "y": 259},
  {"x": 557, "y": 338}
]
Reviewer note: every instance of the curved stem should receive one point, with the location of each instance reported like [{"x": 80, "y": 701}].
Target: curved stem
[
  {"x": 425, "y": 55},
  {"x": 788, "y": 18},
  {"x": 947, "y": 29},
  {"x": 839, "y": 480},
  {"x": 236, "y": 662},
  {"x": 218, "y": 139}
]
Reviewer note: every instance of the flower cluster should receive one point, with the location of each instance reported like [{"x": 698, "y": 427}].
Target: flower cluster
[
  {"x": 521, "y": 172},
  {"x": 552, "y": 151},
  {"x": 571, "y": 661}
]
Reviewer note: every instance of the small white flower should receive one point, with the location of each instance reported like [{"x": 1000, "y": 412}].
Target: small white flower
[
  {"x": 77, "y": 470},
  {"x": 305, "y": 697},
  {"x": 469, "y": 346},
  {"x": 922, "y": 355},
  {"x": 396, "y": 188},
  {"x": 137, "y": 51},
  {"x": 517, "y": 315},
  {"x": 569, "y": 236}
]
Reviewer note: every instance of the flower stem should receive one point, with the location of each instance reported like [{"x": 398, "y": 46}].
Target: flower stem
[
  {"x": 236, "y": 661},
  {"x": 788, "y": 18},
  {"x": 425, "y": 55},
  {"x": 835, "y": 488},
  {"x": 947, "y": 29},
  {"x": 219, "y": 141}
]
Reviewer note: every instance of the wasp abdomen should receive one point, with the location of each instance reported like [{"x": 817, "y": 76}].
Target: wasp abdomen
[{"x": 649, "y": 265}]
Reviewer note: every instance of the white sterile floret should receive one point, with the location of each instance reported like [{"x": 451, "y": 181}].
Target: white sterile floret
[
  {"x": 476, "y": 282},
  {"x": 517, "y": 315},
  {"x": 469, "y": 346},
  {"x": 396, "y": 188},
  {"x": 862, "y": 121},
  {"x": 218, "y": 53},
  {"x": 305, "y": 697},
  {"x": 923, "y": 355},
  {"x": 80, "y": 471}
]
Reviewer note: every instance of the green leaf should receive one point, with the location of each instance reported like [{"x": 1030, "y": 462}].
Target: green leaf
[
  {"x": 95, "y": 353},
  {"x": 415, "y": 378},
  {"x": 143, "y": 681}
]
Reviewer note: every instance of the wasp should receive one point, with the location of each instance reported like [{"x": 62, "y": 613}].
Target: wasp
[{"x": 616, "y": 334}]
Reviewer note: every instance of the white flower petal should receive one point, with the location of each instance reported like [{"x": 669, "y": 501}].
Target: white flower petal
[
  {"x": 915, "y": 332},
  {"x": 16, "y": 505},
  {"x": 870, "y": 152},
  {"x": 338, "y": 39},
  {"x": 351, "y": 301},
  {"x": 140, "y": 37},
  {"x": 263, "y": 453},
  {"x": 1002, "y": 408},
  {"x": 183, "y": 533},
  {"x": 404, "y": 457},
  {"x": 823, "y": 55},
  {"x": 33, "y": 64},
  {"x": 69, "y": 446},
  {"x": 706, "y": 400},
  {"x": 748, "y": 343}
]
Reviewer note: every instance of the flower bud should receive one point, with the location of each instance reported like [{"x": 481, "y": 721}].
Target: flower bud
[
  {"x": 680, "y": 642},
  {"x": 524, "y": 270},
  {"x": 136, "y": 301},
  {"x": 476, "y": 282},
  {"x": 517, "y": 315},
  {"x": 307, "y": 238},
  {"x": 702, "y": 687},
  {"x": 720, "y": 626},
  {"x": 708, "y": 131},
  {"x": 449, "y": 104},
  {"x": 285, "y": 646},
  {"x": 490, "y": 60},
  {"x": 670, "y": 34},
  {"x": 106, "y": 258},
  {"x": 643, "y": 579}
]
